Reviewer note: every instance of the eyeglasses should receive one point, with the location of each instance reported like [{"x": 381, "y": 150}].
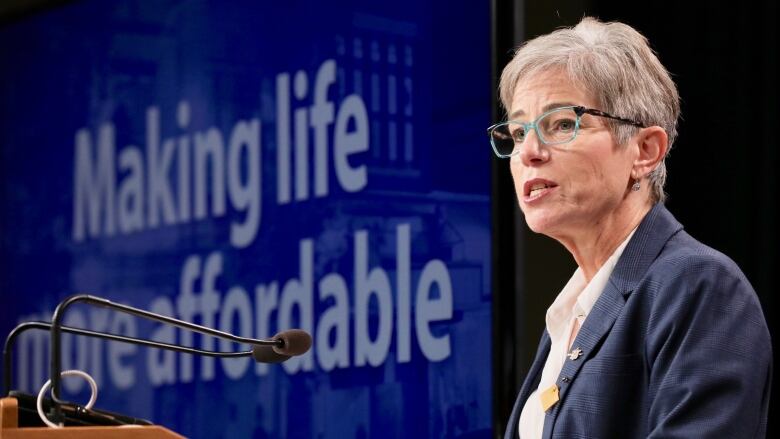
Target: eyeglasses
[{"x": 557, "y": 126}]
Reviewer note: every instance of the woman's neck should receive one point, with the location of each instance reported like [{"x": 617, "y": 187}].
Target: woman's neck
[{"x": 592, "y": 247}]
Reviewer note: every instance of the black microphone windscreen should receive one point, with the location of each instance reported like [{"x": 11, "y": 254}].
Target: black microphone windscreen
[
  {"x": 267, "y": 354},
  {"x": 296, "y": 342}
]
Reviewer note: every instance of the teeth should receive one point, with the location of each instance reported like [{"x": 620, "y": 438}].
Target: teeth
[{"x": 536, "y": 188}]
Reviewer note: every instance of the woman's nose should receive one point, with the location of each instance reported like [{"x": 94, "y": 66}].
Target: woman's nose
[{"x": 532, "y": 150}]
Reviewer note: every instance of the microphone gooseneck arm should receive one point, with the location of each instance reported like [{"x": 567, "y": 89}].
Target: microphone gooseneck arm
[
  {"x": 18, "y": 330},
  {"x": 57, "y": 328}
]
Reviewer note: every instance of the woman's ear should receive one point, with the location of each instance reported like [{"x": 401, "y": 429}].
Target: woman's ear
[{"x": 653, "y": 144}]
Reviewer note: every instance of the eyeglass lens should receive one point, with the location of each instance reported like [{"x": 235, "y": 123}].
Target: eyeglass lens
[{"x": 558, "y": 126}]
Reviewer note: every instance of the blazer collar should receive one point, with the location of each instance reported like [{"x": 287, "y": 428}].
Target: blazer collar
[{"x": 649, "y": 239}]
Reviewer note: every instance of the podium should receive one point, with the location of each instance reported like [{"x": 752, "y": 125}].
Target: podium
[{"x": 10, "y": 429}]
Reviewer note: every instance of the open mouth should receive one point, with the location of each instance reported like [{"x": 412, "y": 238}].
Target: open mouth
[{"x": 536, "y": 188}]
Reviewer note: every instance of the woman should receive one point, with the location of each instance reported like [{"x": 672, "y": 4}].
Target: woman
[{"x": 655, "y": 334}]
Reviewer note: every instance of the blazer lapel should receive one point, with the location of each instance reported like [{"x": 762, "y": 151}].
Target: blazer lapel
[
  {"x": 535, "y": 372},
  {"x": 652, "y": 234},
  {"x": 598, "y": 324},
  {"x": 529, "y": 385}
]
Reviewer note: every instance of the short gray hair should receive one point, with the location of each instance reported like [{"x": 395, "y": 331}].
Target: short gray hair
[{"x": 615, "y": 63}]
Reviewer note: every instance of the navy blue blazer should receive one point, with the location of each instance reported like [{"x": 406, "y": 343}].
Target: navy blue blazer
[{"x": 675, "y": 346}]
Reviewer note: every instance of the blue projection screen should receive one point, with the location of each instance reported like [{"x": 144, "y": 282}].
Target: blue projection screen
[{"x": 253, "y": 167}]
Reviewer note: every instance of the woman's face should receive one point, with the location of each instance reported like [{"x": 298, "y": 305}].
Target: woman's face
[{"x": 568, "y": 189}]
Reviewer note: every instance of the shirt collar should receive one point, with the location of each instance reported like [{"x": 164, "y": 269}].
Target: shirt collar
[{"x": 579, "y": 296}]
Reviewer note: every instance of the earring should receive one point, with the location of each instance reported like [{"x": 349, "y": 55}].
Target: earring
[{"x": 636, "y": 186}]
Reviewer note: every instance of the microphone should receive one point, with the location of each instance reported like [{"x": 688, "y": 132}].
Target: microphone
[
  {"x": 294, "y": 342},
  {"x": 265, "y": 354},
  {"x": 279, "y": 348}
]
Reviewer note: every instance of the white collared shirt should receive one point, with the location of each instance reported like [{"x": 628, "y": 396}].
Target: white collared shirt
[{"x": 564, "y": 317}]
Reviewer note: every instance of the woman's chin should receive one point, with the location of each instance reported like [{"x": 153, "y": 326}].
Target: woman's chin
[
  {"x": 537, "y": 224},
  {"x": 540, "y": 223}
]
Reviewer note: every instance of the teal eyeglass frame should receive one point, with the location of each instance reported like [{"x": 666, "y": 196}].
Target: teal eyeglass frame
[{"x": 527, "y": 126}]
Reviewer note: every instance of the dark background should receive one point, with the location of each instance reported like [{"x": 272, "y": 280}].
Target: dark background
[{"x": 722, "y": 183}]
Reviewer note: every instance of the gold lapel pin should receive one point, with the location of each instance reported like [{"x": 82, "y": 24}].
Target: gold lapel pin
[
  {"x": 549, "y": 397},
  {"x": 575, "y": 353}
]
